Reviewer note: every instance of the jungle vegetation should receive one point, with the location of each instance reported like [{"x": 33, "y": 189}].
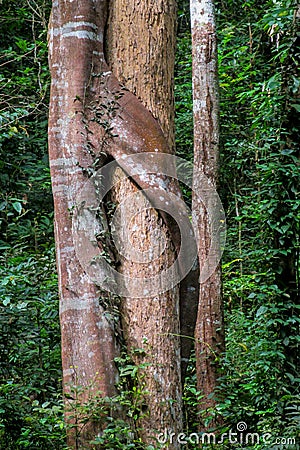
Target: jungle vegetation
[{"x": 259, "y": 53}]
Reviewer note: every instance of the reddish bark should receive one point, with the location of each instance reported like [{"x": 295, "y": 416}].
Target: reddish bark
[
  {"x": 209, "y": 338},
  {"x": 88, "y": 347},
  {"x": 82, "y": 87}
]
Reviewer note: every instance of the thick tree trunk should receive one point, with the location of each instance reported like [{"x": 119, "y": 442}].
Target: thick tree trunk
[
  {"x": 88, "y": 347},
  {"x": 92, "y": 115},
  {"x": 209, "y": 336},
  {"x": 140, "y": 47},
  {"x": 141, "y": 50}
]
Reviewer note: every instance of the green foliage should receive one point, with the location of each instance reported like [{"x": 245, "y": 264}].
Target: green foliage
[
  {"x": 30, "y": 352},
  {"x": 259, "y": 145},
  {"x": 259, "y": 188},
  {"x": 131, "y": 384},
  {"x": 118, "y": 416},
  {"x": 44, "y": 427},
  {"x": 31, "y": 414},
  {"x": 183, "y": 98},
  {"x": 259, "y": 162},
  {"x": 118, "y": 435},
  {"x": 25, "y": 195},
  {"x": 259, "y": 183}
]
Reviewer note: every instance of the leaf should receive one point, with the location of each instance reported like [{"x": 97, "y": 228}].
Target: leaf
[
  {"x": 287, "y": 151},
  {"x": 17, "y": 207},
  {"x": 296, "y": 106},
  {"x": 261, "y": 311},
  {"x": 22, "y": 44},
  {"x": 244, "y": 346},
  {"x": 273, "y": 83},
  {"x": 6, "y": 301},
  {"x": 45, "y": 404},
  {"x": 290, "y": 376},
  {"x": 4, "y": 246}
]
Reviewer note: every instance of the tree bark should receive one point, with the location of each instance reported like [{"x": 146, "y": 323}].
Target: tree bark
[
  {"x": 141, "y": 43},
  {"x": 88, "y": 346},
  {"x": 209, "y": 337},
  {"x": 140, "y": 48},
  {"x": 93, "y": 117},
  {"x": 141, "y": 52}
]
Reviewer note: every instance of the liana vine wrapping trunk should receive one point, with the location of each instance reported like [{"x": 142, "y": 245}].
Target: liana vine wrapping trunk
[{"x": 92, "y": 117}]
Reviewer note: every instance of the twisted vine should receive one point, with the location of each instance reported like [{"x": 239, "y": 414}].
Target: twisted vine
[{"x": 77, "y": 30}]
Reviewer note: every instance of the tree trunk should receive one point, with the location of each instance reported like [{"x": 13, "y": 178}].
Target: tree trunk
[
  {"x": 88, "y": 346},
  {"x": 93, "y": 117},
  {"x": 209, "y": 338},
  {"x": 141, "y": 43},
  {"x": 141, "y": 51},
  {"x": 140, "y": 47}
]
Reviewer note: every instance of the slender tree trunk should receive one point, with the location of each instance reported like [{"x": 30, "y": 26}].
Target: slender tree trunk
[
  {"x": 209, "y": 328},
  {"x": 140, "y": 47}
]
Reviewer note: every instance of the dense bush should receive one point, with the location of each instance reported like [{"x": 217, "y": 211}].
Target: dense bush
[{"x": 258, "y": 185}]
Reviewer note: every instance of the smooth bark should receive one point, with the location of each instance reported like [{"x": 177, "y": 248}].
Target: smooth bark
[
  {"x": 209, "y": 338},
  {"x": 88, "y": 346}
]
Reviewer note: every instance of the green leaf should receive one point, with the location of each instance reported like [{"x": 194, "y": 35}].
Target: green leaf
[
  {"x": 296, "y": 106},
  {"x": 6, "y": 301},
  {"x": 262, "y": 310},
  {"x": 22, "y": 44},
  {"x": 287, "y": 151},
  {"x": 17, "y": 207}
]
